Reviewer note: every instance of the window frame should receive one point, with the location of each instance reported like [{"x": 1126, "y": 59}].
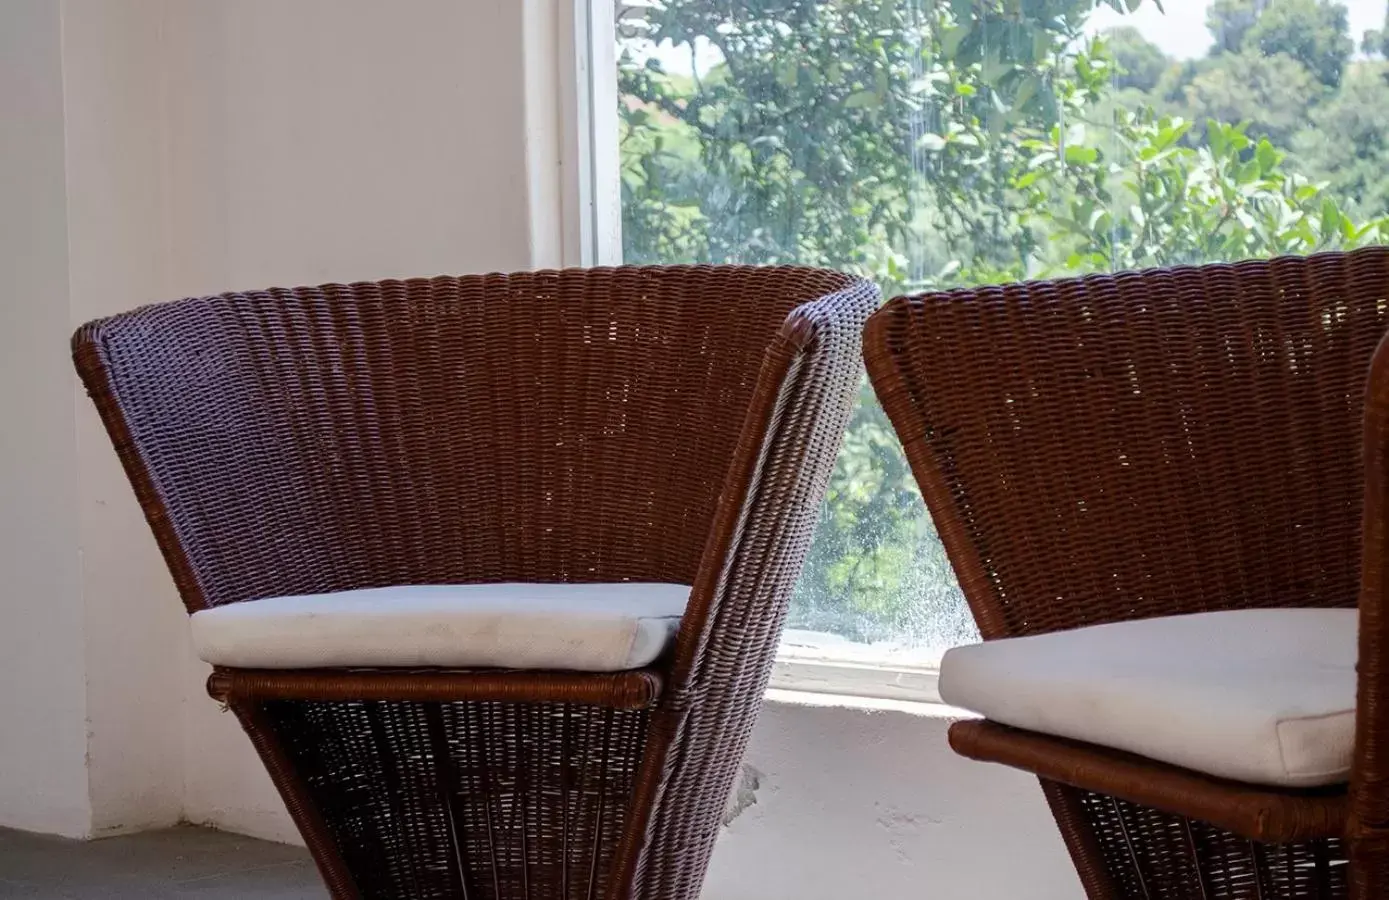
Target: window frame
[{"x": 591, "y": 193}]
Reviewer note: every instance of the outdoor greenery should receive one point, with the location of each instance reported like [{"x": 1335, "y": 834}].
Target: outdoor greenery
[{"x": 931, "y": 144}]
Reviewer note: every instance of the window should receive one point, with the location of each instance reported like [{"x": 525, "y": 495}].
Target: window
[{"x": 929, "y": 143}]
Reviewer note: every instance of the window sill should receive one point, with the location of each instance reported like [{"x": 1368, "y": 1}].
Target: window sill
[
  {"x": 885, "y": 682},
  {"x": 814, "y": 663}
]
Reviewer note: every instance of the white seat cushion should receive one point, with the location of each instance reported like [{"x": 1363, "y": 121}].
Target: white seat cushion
[
  {"x": 1265, "y": 696},
  {"x": 578, "y": 627}
]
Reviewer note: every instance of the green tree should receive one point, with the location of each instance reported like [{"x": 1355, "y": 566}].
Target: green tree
[
  {"x": 1230, "y": 20},
  {"x": 1375, "y": 41},
  {"x": 814, "y": 122},
  {"x": 1372, "y": 42},
  {"x": 1271, "y": 93},
  {"x": 1347, "y": 143},
  {"x": 961, "y": 142},
  {"x": 1316, "y": 33},
  {"x": 1140, "y": 62},
  {"x": 1170, "y": 203},
  {"x": 799, "y": 133}
]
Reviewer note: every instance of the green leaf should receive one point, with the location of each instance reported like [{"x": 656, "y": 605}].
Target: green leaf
[
  {"x": 952, "y": 38},
  {"x": 1027, "y": 179},
  {"x": 863, "y": 100},
  {"x": 1217, "y": 137},
  {"x": 1168, "y": 134},
  {"x": 965, "y": 90},
  {"x": 1365, "y": 229},
  {"x": 1081, "y": 156},
  {"x": 788, "y": 72},
  {"x": 994, "y": 67},
  {"x": 1267, "y": 156},
  {"x": 1027, "y": 89},
  {"x": 1330, "y": 218}
]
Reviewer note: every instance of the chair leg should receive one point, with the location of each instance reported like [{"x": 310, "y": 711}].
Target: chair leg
[
  {"x": 1196, "y": 859},
  {"x": 1123, "y": 851},
  {"x": 298, "y": 801},
  {"x": 1369, "y": 868},
  {"x": 448, "y": 792},
  {"x": 454, "y": 800},
  {"x": 1080, "y": 840}
]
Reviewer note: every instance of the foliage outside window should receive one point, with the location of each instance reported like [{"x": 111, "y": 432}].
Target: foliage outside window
[{"x": 931, "y": 144}]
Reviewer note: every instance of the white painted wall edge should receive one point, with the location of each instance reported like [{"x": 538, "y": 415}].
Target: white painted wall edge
[{"x": 43, "y": 687}]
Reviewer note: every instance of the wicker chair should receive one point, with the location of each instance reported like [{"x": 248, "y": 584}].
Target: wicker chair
[
  {"x": 1116, "y": 448},
  {"x": 672, "y": 425}
]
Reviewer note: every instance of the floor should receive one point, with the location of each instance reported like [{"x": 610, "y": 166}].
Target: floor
[{"x": 179, "y": 862}]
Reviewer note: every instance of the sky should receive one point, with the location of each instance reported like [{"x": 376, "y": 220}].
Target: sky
[{"x": 1180, "y": 30}]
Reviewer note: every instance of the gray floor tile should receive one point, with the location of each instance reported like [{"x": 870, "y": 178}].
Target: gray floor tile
[
  {"x": 180, "y": 862},
  {"x": 286, "y": 881}
]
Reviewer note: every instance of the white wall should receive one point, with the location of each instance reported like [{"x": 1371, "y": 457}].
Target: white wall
[
  {"x": 158, "y": 148},
  {"x": 327, "y": 140},
  {"x": 118, "y": 238},
  {"x": 43, "y": 780},
  {"x": 864, "y": 802}
]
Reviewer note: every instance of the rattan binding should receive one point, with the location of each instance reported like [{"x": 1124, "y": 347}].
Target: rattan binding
[
  {"x": 1150, "y": 443},
  {"x": 669, "y": 424}
]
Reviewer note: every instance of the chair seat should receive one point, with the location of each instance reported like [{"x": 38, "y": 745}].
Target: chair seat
[
  {"x": 575, "y": 627},
  {"x": 1264, "y": 696}
]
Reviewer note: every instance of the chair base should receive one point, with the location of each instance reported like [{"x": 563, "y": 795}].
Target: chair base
[
  {"x": 1144, "y": 830},
  {"x": 451, "y": 785},
  {"x": 1126, "y": 851},
  {"x": 1258, "y": 813}
]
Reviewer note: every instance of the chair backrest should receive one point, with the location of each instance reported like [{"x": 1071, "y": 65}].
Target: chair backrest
[
  {"x": 552, "y": 426},
  {"x": 1120, "y": 446}
]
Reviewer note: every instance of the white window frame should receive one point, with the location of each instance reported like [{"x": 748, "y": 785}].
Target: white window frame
[
  {"x": 592, "y": 236},
  {"x": 590, "y": 180}
]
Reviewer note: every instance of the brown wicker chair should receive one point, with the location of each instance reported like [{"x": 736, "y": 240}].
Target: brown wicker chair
[
  {"x": 1119, "y": 447},
  {"x": 633, "y": 424}
]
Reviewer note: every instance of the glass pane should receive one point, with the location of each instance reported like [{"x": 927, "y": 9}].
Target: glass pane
[{"x": 933, "y": 143}]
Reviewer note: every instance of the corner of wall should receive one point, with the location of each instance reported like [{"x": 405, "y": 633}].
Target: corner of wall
[
  {"x": 43, "y": 779},
  {"x": 112, "y": 72}
]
